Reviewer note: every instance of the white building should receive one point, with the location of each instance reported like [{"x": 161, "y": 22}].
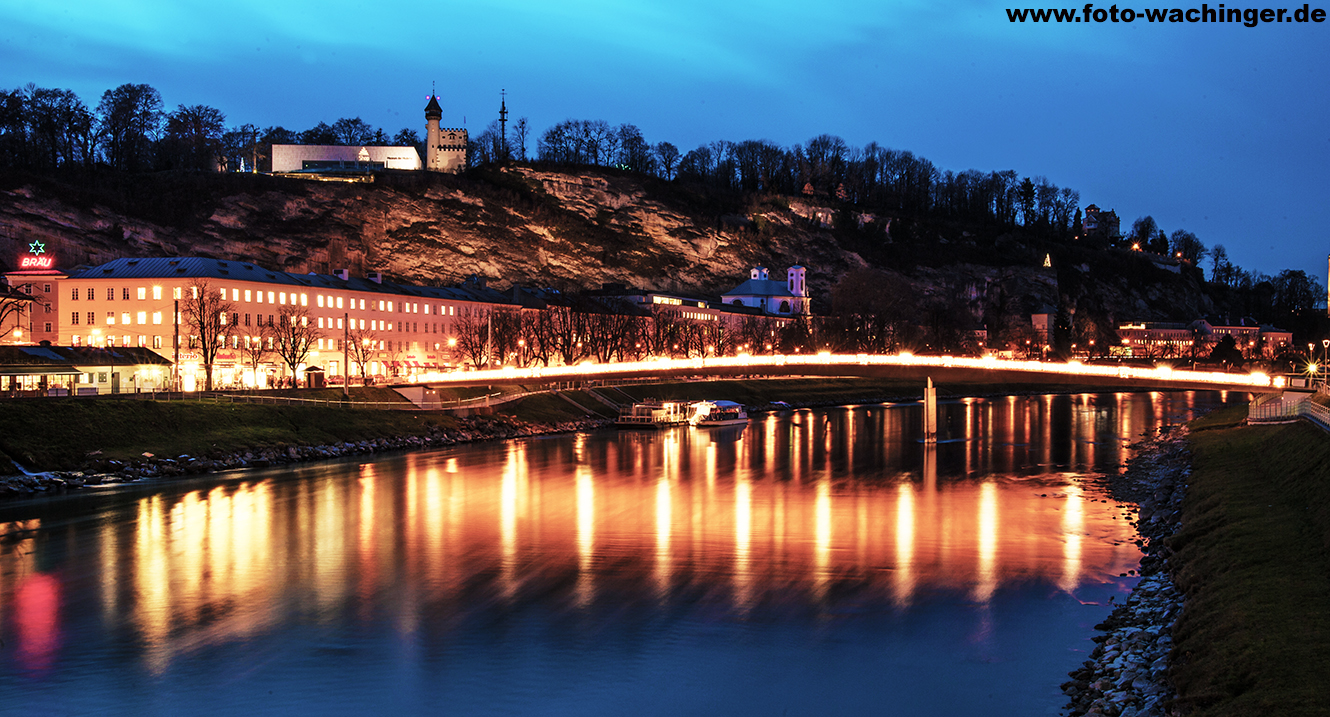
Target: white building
[
  {"x": 777, "y": 298},
  {"x": 316, "y": 157}
]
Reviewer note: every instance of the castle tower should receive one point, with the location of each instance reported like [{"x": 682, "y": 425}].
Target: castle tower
[{"x": 445, "y": 148}]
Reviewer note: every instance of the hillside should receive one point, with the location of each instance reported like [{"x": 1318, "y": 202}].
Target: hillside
[{"x": 574, "y": 230}]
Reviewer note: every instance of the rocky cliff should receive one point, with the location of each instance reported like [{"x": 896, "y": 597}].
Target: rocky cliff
[{"x": 566, "y": 230}]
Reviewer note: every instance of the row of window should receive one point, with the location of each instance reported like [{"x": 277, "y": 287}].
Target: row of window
[
  {"x": 278, "y": 297},
  {"x": 113, "y": 341},
  {"x": 124, "y": 293},
  {"x": 125, "y": 318}
]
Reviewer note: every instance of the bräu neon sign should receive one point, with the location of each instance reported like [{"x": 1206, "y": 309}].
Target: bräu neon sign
[{"x": 36, "y": 262}]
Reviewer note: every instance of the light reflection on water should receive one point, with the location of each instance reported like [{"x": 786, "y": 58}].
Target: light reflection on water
[{"x": 736, "y": 570}]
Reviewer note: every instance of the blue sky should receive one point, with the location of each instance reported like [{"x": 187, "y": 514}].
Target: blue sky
[{"x": 1218, "y": 129}]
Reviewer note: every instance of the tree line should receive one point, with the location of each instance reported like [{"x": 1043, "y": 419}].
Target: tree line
[{"x": 130, "y": 130}]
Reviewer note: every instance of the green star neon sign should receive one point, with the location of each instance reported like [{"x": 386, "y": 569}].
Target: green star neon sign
[{"x": 37, "y": 247}]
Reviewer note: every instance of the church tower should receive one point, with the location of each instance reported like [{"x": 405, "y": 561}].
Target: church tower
[
  {"x": 445, "y": 147},
  {"x": 796, "y": 282}
]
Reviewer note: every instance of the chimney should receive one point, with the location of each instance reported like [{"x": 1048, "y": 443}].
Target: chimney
[
  {"x": 342, "y": 274},
  {"x": 376, "y": 277}
]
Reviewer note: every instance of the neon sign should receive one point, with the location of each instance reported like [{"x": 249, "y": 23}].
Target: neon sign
[
  {"x": 36, "y": 262},
  {"x": 35, "y": 258}
]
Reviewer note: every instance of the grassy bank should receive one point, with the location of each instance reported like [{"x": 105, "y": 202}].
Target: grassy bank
[
  {"x": 1253, "y": 558},
  {"x": 59, "y": 434}
]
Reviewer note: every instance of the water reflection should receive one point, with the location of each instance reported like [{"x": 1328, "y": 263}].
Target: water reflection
[{"x": 814, "y": 512}]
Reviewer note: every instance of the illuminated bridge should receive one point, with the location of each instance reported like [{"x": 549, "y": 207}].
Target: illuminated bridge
[{"x": 988, "y": 369}]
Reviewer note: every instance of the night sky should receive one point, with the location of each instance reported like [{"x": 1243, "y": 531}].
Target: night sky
[{"x": 1217, "y": 129}]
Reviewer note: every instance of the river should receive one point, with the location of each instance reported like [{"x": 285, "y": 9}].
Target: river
[{"x": 813, "y": 562}]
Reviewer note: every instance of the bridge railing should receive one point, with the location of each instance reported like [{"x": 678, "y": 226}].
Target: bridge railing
[{"x": 1288, "y": 407}]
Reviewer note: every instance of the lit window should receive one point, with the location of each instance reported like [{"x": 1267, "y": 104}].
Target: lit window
[
  {"x": 304, "y": 299},
  {"x": 319, "y": 300},
  {"x": 78, "y": 340},
  {"x": 339, "y": 305},
  {"x": 362, "y": 323},
  {"x": 143, "y": 293},
  {"x": 339, "y": 323},
  {"x": 156, "y": 295},
  {"x": 380, "y": 304},
  {"x": 362, "y": 304},
  {"x": 156, "y": 342},
  {"x": 143, "y": 317},
  {"x": 143, "y": 342},
  {"x": 281, "y": 298},
  {"x": 175, "y": 292},
  {"x": 320, "y": 325},
  {"x": 235, "y": 295},
  {"x": 110, "y": 318},
  {"x": 157, "y": 318},
  {"x": 271, "y": 298},
  {"x": 124, "y": 318}
]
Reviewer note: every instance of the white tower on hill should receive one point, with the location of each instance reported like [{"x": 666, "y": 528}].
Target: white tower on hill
[{"x": 445, "y": 147}]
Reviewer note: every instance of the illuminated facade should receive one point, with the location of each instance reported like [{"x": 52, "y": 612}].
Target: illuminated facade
[
  {"x": 320, "y": 157},
  {"x": 788, "y": 298},
  {"x": 1198, "y": 339},
  {"x": 37, "y": 277},
  {"x": 130, "y": 302}
]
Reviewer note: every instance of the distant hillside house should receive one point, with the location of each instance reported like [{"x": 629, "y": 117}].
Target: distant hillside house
[
  {"x": 777, "y": 298},
  {"x": 1101, "y": 223},
  {"x": 327, "y": 157}
]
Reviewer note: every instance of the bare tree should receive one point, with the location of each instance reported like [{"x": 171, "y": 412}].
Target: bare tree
[
  {"x": 360, "y": 347},
  {"x": 14, "y": 303},
  {"x": 255, "y": 348},
  {"x": 471, "y": 329},
  {"x": 521, "y": 130},
  {"x": 294, "y": 336},
  {"x": 208, "y": 315}
]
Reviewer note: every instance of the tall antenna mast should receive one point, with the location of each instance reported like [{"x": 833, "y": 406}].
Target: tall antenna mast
[{"x": 503, "y": 120}]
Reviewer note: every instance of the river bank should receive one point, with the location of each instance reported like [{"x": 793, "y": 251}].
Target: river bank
[
  {"x": 1127, "y": 673},
  {"x": 99, "y": 470},
  {"x": 1232, "y": 614}
]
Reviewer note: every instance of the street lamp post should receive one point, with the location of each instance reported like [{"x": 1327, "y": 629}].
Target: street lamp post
[{"x": 1325, "y": 348}]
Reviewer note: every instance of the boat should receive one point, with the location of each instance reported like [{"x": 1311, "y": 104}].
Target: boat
[
  {"x": 718, "y": 413},
  {"x": 653, "y": 414}
]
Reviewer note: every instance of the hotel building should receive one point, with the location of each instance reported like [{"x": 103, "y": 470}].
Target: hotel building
[{"x": 132, "y": 303}]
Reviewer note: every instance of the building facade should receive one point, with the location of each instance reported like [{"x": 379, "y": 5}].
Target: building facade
[
  {"x": 324, "y": 157},
  {"x": 776, "y": 298},
  {"x": 133, "y": 303}
]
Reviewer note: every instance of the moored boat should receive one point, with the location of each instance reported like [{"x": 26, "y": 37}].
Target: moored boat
[
  {"x": 653, "y": 414},
  {"x": 718, "y": 413}
]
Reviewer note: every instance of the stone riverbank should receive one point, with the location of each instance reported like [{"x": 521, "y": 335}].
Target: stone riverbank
[
  {"x": 1127, "y": 673},
  {"x": 100, "y": 471}
]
